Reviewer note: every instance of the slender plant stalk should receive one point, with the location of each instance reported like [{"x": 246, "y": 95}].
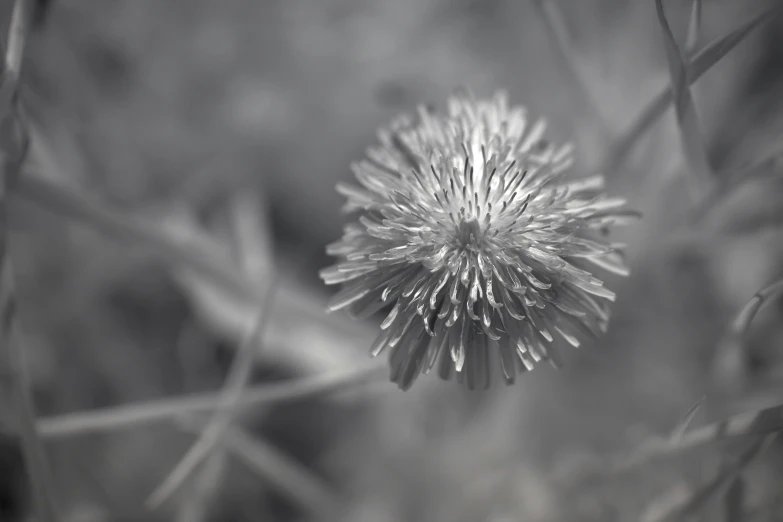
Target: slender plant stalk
[
  {"x": 694, "y": 27},
  {"x": 555, "y": 23},
  {"x": 286, "y": 475},
  {"x": 691, "y": 505},
  {"x": 14, "y": 148},
  {"x": 134, "y": 415},
  {"x": 701, "y": 62},
  {"x": 700, "y": 172},
  {"x": 253, "y": 248},
  {"x": 765, "y": 422},
  {"x": 221, "y": 418}
]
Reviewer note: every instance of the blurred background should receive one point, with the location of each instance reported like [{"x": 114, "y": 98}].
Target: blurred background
[{"x": 227, "y": 125}]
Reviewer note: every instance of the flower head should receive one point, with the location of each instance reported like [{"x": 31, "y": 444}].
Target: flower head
[{"x": 470, "y": 233}]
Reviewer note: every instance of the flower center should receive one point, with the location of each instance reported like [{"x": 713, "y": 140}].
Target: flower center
[{"x": 470, "y": 235}]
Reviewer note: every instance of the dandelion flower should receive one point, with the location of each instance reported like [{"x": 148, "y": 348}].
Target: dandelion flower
[{"x": 470, "y": 233}]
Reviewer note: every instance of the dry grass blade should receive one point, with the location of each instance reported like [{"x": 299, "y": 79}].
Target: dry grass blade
[
  {"x": 666, "y": 503},
  {"x": 741, "y": 323},
  {"x": 204, "y": 184},
  {"x": 765, "y": 165},
  {"x": 682, "y": 427},
  {"x": 758, "y": 423},
  {"x": 59, "y": 199},
  {"x": 732, "y": 346},
  {"x": 196, "y": 507},
  {"x": 687, "y": 118},
  {"x": 198, "y": 261},
  {"x": 253, "y": 248},
  {"x": 252, "y": 236},
  {"x": 18, "y": 29},
  {"x": 694, "y": 27},
  {"x": 764, "y": 510},
  {"x": 728, "y": 474},
  {"x": 134, "y": 415},
  {"x": 287, "y": 476},
  {"x": 239, "y": 376},
  {"x": 702, "y": 62},
  {"x": 556, "y": 26},
  {"x": 15, "y": 149},
  {"x": 763, "y": 422},
  {"x": 735, "y": 500}
]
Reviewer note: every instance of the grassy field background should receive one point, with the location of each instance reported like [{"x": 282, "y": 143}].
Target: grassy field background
[{"x": 169, "y": 132}]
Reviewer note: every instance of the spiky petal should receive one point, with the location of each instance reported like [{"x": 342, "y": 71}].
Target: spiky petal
[{"x": 470, "y": 234}]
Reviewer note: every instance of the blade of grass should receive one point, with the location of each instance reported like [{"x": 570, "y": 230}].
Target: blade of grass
[
  {"x": 18, "y": 29},
  {"x": 694, "y": 27},
  {"x": 735, "y": 501},
  {"x": 732, "y": 346},
  {"x": 196, "y": 507},
  {"x": 702, "y": 61},
  {"x": 763, "y": 422},
  {"x": 15, "y": 152},
  {"x": 762, "y": 166},
  {"x": 690, "y": 506},
  {"x": 198, "y": 261},
  {"x": 765, "y": 509},
  {"x": 254, "y": 249},
  {"x": 555, "y": 24},
  {"x": 701, "y": 174},
  {"x": 757, "y": 423},
  {"x": 223, "y": 296},
  {"x": 135, "y": 415},
  {"x": 666, "y": 503},
  {"x": 741, "y": 324},
  {"x": 40, "y": 187},
  {"x": 730, "y": 473},
  {"x": 682, "y": 427},
  {"x": 59, "y": 199},
  {"x": 194, "y": 253},
  {"x": 238, "y": 377},
  {"x": 287, "y": 476},
  {"x": 253, "y": 246},
  {"x": 252, "y": 235}
]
